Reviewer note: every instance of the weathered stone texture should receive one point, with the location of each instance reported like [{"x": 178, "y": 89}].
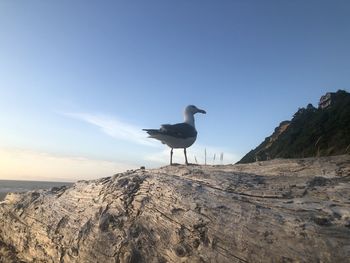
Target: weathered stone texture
[{"x": 274, "y": 211}]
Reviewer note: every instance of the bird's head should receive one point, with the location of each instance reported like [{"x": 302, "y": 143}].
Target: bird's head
[{"x": 191, "y": 109}]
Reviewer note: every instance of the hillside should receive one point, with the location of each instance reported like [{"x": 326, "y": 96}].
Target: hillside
[
  {"x": 275, "y": 211},
  {"x": 313, "y": 132}
]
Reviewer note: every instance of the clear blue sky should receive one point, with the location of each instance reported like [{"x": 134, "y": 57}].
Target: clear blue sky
[{"x": 73, "y": 74}]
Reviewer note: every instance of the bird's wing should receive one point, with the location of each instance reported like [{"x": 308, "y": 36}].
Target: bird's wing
[{"x": 179, "y": 130}]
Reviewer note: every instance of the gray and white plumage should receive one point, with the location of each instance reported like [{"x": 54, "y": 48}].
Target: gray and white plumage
[{"x": 180, "y": 135}]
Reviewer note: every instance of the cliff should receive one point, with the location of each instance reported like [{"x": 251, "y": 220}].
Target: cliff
[
  {"x": 312, "y": 132},
  {"x": 274, "y": 211}
]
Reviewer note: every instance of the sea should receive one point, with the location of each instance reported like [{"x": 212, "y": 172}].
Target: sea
[{"x": 7, "y": 186}]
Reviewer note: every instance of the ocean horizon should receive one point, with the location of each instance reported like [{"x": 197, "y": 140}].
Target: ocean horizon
[{"x": 10, "y": 186}]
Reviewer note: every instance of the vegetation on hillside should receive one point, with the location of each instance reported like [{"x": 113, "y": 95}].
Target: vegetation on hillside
[{"x": 312, "y": 132}]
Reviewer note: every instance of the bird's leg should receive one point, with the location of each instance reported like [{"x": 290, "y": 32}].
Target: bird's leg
[
  {"x": 171, "y": 156},
  {"x": 185, "y": 156}
]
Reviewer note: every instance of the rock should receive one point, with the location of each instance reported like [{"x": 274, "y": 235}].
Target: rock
[{"x": 275, "y": 211}]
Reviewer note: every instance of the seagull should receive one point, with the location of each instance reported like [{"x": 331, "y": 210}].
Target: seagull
[{"x": 180, "y": 135}]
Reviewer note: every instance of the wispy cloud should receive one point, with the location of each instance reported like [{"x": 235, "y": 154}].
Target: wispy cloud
[
  {"x": 115, "y": 128},
  {"x": 128, "y": 132}
]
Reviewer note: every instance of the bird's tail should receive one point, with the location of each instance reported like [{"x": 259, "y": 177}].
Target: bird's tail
[{"x": 151, "y": 132}]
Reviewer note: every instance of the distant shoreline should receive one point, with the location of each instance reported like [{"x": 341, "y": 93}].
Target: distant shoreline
[
  {"x": 9, "y": 186},
  {"x": 35, "y": 181}
]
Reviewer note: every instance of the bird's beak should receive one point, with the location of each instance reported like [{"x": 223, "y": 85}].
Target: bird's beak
[{"x": 201, "y": 111}]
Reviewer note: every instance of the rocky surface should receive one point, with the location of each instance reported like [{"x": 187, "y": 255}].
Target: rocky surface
[{"x": 273, "y": 211}]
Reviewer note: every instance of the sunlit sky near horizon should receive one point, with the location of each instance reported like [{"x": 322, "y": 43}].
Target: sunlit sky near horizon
[{"x": 80, "y": 79}]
